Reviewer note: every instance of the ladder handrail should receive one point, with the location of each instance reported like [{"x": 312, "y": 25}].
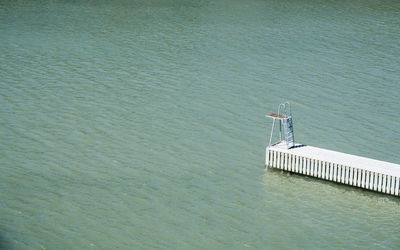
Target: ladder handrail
[{"x": 285, "y": 107}]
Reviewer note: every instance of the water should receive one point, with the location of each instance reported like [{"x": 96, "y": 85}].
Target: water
[{"x": 140, "y": 124}]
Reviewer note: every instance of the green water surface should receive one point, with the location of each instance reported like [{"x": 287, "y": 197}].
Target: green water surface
[{"x": 140, "y": 124}]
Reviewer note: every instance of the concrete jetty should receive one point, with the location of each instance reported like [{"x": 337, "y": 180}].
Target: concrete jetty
[
  {"x": 326, "y": 164},
  {"x": 335, "y": 166}
]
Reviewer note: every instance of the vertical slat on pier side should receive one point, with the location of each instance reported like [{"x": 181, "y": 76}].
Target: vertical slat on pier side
[
  {"x": 358, "y": 177},
  {"x": 355, "y": 178},
  {"x": 366, "y": 179},
  {"x": 397, "y": 186},
  {"x": 290, "y": 163},
  {"x": 280, "y": 154},
  {"x": 326, "y": 172},
  {"x": 297, "y": 163},
  {"x": 347, "y": 175},
  {"x": 379, "y": 182},
  {"x": 323, "y": 169},
  {"x": 279, "y": 160},
  {"x": 363, "y": 178},
  {"x": 334, "y": 171},
  {"x": 307, "y": 166},
  {"x": 319, "y": 169},
  {"x": 342, "y": 173},
  {"x": 294, "y": 160},
  {"x": 370, "y": 180},
  {"x": 350, "y": 176},
  {"x": 388, "y": 179},
  {"x": 304, "y": 165},
  {"x": 383, "y": 183},
  {"x": 392, "y": 182},
  {"x": 374, "y": 181},
  {"x": 316, "y": 168},
  {"x": 311, "y": 167},
  {"x": 274, "y": 164},
  {"x": 330, "y": 171},
  {"x": 388, "y": 183},
  {"x": 284, "y": 163},
  {"x": 270, "y": 157},
  {"x": 287, "y": 162},
  {"x": 273, "y": 159}
]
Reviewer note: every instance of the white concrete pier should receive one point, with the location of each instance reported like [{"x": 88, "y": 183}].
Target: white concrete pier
[{"x": 334, "y": 166}]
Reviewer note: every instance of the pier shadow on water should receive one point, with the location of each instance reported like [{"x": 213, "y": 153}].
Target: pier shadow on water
[{"x": 4, "y": 243}]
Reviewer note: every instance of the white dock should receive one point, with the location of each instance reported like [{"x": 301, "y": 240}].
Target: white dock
[{"x": 334, "y": 166}]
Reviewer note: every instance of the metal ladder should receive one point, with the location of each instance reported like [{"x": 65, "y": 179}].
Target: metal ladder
[{"x": 284, "y": 116}]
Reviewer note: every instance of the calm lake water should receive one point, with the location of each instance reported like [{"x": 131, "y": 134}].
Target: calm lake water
[{"x": 140, "y": 124}]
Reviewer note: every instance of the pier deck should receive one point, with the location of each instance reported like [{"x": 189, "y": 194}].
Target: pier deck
[{"x": 335, "y": 166}]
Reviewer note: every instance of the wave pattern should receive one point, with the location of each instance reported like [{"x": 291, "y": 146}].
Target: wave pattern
[{"x": 131, "y": 124}]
